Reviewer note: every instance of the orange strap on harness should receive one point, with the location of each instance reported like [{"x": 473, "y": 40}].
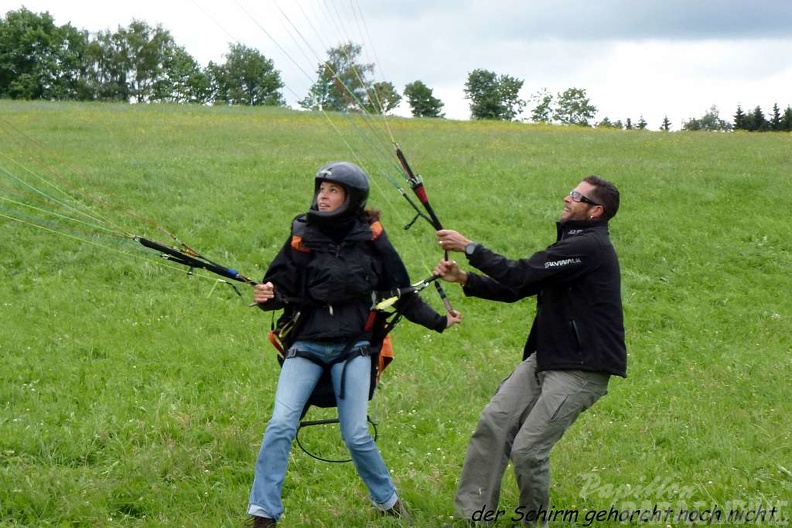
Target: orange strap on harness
[{"x": 276, "y": 342}]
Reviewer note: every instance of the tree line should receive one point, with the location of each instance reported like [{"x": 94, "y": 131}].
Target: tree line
[
  {"x": 144, "y": 64},
  {"x": 753, "y": 121}
]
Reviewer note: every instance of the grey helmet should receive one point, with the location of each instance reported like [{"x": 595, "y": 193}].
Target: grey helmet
[{"x": 355, "y": 182}]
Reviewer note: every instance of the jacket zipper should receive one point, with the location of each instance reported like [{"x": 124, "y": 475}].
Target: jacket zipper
[{"x": 576, "y": 334}]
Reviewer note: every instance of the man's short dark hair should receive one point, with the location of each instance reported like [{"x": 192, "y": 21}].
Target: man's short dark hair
[{"x": 604, "y": 193}]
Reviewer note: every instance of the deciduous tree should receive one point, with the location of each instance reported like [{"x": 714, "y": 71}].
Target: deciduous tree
[
  {"x": 147, "y": 50},
  {"x": 574, "y": 108},
  {"x": 383, "y": 97},
  {"x": 246, "y": 77},
  {"x": 710, "y": 121},
  {"x": 421, "y": 100},
  {"x": 184, "y": 80},
  {"x": 543, "y": 110},
  {"x": 493, "y": 96},
  {"x": 40, "y": 60},
  {"x": 343, "y": 82}
]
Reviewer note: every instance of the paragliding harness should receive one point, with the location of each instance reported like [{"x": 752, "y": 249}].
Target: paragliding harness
[{"x": 378, "y": 325}]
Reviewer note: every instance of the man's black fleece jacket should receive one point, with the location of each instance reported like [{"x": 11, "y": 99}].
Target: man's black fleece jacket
[{"x": 579, "y": 323}]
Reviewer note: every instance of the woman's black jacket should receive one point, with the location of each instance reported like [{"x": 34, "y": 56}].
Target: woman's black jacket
[{"x": 329, "y": 280}]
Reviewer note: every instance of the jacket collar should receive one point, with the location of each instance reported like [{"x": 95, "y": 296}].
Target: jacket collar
[
  {"x": 354, "y": 230},
  {"x": 574, "y": 227}
]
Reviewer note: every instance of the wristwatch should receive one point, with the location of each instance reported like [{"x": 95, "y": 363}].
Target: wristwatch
[{"x": 470, "y": 248}]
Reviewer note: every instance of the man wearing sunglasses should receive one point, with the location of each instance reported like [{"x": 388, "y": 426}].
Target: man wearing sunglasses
[{"x": 575, "y": 344}]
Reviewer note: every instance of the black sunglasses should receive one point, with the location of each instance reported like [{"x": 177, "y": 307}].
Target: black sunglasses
[{"x": 576, "y": 196}]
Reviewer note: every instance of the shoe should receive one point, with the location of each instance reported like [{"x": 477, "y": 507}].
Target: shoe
[
  {"x": 262, "y": 522},
  {"x": 398, "y": 510}
]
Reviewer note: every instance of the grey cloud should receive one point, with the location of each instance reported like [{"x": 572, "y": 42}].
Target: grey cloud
[{"x": 594, "y": 19}]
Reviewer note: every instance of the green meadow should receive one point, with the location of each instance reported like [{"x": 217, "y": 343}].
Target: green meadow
[{"x": 134, "y": 394}]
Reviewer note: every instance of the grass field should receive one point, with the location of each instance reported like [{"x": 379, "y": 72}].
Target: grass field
[{"x": 132, "y": 394}]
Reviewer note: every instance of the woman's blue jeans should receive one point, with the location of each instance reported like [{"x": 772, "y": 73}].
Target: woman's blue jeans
[{"x": 297, "y": 380}]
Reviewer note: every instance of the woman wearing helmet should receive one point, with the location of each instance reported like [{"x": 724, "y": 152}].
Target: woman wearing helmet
[{"x": 323, "y": 278}]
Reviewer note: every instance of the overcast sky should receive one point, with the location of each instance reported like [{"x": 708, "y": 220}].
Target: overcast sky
[{"x": 634, "y": 58}]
